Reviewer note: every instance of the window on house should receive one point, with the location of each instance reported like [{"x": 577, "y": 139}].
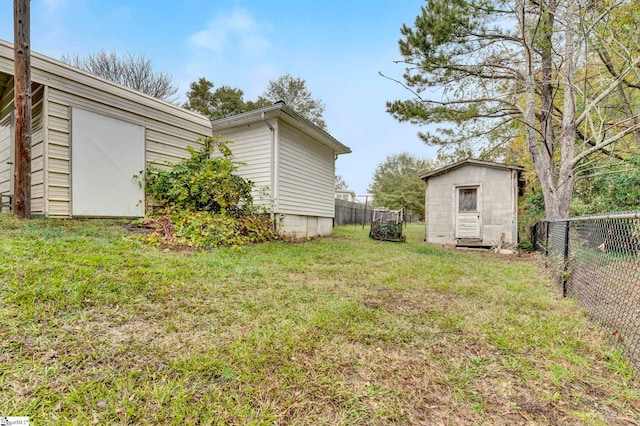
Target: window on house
[{"x": 468, "y": 200}]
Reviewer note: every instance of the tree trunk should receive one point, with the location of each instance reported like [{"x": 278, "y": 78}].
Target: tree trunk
[
  {"x": 566, "y": 176},
  {"x": 547, "y": 84},
  {"x": 541, "y": 140}
]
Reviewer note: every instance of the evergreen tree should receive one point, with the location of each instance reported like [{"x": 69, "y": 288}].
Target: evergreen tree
[{"x": 500, "y": 69}]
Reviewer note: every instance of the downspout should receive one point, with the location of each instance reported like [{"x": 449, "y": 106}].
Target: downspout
[{"x": 273, "y": 170}]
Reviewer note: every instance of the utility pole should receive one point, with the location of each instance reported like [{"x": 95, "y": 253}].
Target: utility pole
[{"x": 22, "y": 102}]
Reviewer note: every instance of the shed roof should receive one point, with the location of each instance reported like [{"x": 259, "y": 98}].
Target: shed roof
[
  {"x": 284, "y": 112},
  {"x": 57, "y": 74},
  {"x": 469, "y": 161}
]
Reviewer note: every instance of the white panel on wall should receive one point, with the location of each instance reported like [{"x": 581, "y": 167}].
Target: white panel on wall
[{"x": 106, "y": 154}]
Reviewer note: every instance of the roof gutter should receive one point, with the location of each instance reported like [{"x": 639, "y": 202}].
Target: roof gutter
[{"x": 289, "y": 116}]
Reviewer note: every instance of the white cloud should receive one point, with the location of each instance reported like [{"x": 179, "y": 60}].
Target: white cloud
[
  {"x": 235, "y": 29},
  {"x": 53, "y": 5},
  {"x": 258, "y": 78},
  {"x": 232, "y": 50}
]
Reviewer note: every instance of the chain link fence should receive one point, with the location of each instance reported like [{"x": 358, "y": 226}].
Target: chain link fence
[{"x": 596, "y": 260}]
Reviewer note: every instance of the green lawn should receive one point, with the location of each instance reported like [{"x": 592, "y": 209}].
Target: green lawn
[{"x": 97, "y": 328}]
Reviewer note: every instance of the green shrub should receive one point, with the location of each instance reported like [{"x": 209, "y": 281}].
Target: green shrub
[
  {"x": 203, "y": 182},
  {"x": 203, "y": 204},
  {"x": 526, "y": 245}
]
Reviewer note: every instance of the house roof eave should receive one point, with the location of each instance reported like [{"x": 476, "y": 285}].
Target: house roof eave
[
  {"x": 469, "y": 161},
  {"x": 287, "y": 114}
]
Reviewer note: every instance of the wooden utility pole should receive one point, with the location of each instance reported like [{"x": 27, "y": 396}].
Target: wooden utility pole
[
  {"x": 364, "y": 216},
  {"x": 22, "y": 102}
]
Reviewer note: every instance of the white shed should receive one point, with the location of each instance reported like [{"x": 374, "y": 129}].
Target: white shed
[
  {"x": 292, "y": 164},
  {"x": 90, "y": 137},
  {"x": 472, "y": 203}
]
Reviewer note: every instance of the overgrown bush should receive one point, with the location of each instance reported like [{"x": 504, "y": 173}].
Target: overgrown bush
[
  {"x": 203, "y": 182},
  {"x": 203, "y": 203},
  {"x": 615, "y": 189}
]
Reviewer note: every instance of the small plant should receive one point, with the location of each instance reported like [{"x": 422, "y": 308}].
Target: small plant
[
  {"x": 205, "y": 202},
  {"x": 526, "y": 245}
]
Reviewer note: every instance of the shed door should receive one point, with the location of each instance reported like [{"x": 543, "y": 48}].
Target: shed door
[
  {"x": 468, "y": 214},
  {"x": 107, "y": 166}
]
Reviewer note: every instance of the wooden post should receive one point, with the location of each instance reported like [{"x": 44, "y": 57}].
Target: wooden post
[
  {"x": 500, "y": 243},
  {"x": 565, "y": 255},
  {"x": 364, "y": 217},
  {"x": 22, "y": 102}
]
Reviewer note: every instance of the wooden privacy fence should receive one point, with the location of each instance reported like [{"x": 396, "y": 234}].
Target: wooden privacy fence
[{"x": 351, "y": 213}]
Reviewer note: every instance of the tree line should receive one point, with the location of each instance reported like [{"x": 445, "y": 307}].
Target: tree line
[
  {"x": 553, "y": 85},
  {"x": 136, "y": 72}
]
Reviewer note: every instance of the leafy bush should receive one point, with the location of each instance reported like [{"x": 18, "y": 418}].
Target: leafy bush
[
  {"x": 203, "y": 204},
  {"x": 203, "y": 182},
  {"x": 615, "y": 190}
]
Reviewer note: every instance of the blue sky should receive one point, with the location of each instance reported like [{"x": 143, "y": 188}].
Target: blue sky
[{"x": 338, "y": 47}]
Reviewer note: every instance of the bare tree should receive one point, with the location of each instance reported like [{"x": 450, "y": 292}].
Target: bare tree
[
  {"x": 340, "y": 183},
  {"x": 130, "y": 70}
]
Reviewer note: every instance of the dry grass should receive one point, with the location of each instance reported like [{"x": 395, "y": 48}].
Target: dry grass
[{"x": 97, "y": 328}]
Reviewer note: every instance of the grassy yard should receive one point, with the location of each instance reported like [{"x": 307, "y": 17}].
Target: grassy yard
[{"x": 97, "y": 328}]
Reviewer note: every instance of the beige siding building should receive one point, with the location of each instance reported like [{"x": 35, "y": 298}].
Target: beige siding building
[
  {"x": 292, "y": 163},
  {"x": 92, "y": 141},
  {"x": 472, "y": 203},
  {"x": 90, "y": 137}
]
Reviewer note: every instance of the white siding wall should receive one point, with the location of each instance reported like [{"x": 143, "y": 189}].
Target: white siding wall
[
  {"x": 169, "y": 129},
  {"x": 37, "y": 146},
  {"x": 498, "y": 213},
  {"x": 164, "y": 142},
  {"x": 58, "y": 161},
  {"x": 6, "y": 108},
  {"x": 37, "y": 151},
  {"x": 305, "y": 175},
  {"x": 252, "y": 146}
]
